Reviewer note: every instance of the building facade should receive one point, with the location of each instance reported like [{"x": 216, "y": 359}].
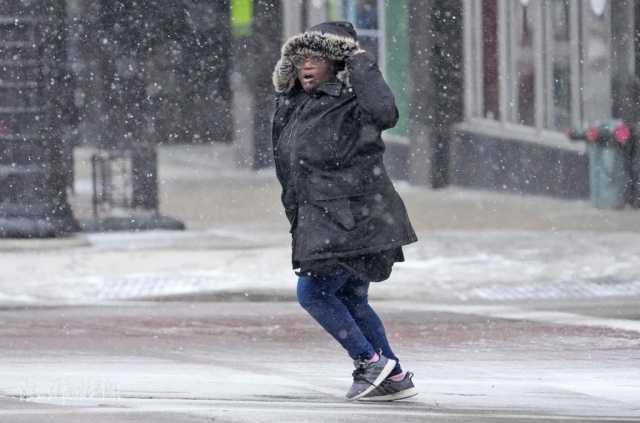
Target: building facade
[
  {"x": 35, "y": 160},
  {"x": 531, "y": 70}
]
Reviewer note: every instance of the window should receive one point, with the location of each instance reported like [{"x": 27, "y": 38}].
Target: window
[
  {"x": 368, "y": 18},
  {"x": 382, "y": 27},
  {"x": 522, "y": 62},
  {"x": 490, "y": 86},
  {"x": 559, "y": 65},
  {"x": 521, "y": 70}
]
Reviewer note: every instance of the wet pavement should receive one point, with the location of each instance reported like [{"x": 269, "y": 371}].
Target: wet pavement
[
  {"x": 510, "y": 308},
  {"x": 268, "y": 361}
]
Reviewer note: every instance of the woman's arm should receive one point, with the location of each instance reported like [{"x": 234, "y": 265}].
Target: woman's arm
[{"x": 372, "y": 92}]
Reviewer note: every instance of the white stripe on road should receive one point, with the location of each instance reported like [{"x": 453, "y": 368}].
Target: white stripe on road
[
  {"x": 210, "y": 407},
  {"x": 515, "y": 313}
]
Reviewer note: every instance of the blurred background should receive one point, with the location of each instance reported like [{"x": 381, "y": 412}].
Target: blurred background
[{"x": 92, "y": 92}]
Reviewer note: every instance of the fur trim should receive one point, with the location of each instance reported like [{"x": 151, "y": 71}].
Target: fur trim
[{"x": 331, "y": 46}]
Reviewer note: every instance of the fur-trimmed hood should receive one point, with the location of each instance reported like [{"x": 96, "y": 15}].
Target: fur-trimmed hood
[{"x": 333, "y": 40}]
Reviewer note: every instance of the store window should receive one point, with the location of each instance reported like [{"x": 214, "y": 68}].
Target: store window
[
  {"x": 522, "y": 68},
  {"x": 559, "y": 65},
  {"x": 367, "y": 16},
  {"x": 383, "y": 30},
  {"x": 520, "y": 62},
  {"x": 490, "y": 68}
]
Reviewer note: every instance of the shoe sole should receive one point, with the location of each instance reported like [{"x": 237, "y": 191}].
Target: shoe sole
[
  {"x": 386, "y": 371},
  {"x": 407, "y": 393}
]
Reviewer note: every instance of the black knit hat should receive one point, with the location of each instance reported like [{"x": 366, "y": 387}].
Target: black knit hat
[{"x": 341, "y": 28}]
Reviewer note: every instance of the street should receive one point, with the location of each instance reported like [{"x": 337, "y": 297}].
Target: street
[
  {"x": 268, "y": 361},
  {"x": 503, "y": 312}
]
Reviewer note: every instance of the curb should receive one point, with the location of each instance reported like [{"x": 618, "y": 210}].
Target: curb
[
  {"x": 254, "y": 295},
  {"x": 35, "y": 244}
]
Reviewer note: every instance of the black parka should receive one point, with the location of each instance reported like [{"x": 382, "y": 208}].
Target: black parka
[{"x": 327, "y": 147}]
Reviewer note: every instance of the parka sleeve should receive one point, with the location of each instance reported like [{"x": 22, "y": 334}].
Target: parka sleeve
[{"x": 372, "y": 92}]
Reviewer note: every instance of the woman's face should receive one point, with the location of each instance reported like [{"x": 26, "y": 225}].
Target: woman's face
[{"x": 314, "y": 70}]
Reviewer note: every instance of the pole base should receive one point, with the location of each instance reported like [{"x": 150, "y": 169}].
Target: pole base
[
  {"x": 25, "y": 227},
  {"x": 131, "y": 223}
]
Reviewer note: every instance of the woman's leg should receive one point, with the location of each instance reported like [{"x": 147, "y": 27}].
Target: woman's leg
[
  {"x": 354, "y": 294},
  {"x": 317, "y": 296}
]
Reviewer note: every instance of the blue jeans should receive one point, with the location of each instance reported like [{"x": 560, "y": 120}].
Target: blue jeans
[{"x": 340, "y": 303}]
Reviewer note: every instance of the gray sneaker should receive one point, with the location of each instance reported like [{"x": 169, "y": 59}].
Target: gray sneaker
[
  {"x": 393, "y": 391},
  {"x": 367, "y": 376}
]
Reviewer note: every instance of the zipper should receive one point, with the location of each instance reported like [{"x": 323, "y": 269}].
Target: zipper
[
  {"x": 293, "y": 174},
  {"x": 292, "y": 145}
]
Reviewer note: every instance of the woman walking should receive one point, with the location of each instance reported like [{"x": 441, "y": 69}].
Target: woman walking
[{"x": 348, "y": 223}]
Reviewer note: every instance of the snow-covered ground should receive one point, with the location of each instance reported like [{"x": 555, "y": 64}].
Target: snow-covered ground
[
  {"x": 474, "y": 245},
  {"x": 449, "y": 266}
]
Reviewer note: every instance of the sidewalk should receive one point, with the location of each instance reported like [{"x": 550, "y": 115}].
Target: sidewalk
[{"x": 474, "y": 246}]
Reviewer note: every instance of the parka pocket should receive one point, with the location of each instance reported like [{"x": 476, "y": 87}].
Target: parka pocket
[
  {"x": 344, "y": 183},
  {"x": 338, "y": 210}
]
